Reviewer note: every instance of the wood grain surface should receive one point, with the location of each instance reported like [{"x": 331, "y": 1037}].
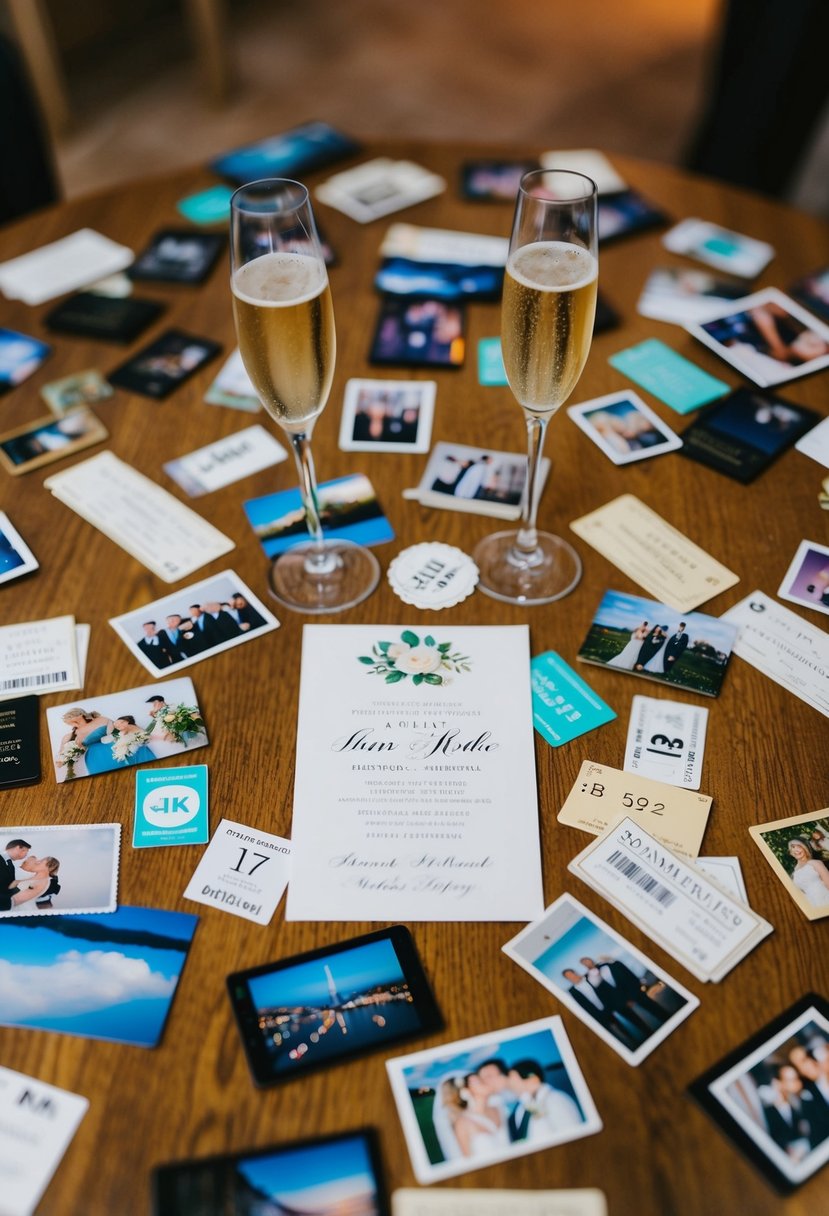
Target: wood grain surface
[{"x": 767, "y": 753}]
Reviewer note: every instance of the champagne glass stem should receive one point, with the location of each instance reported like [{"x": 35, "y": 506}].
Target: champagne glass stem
[
  {"x": 317, "y": 561},
  {"x": 526, "y": 539}
]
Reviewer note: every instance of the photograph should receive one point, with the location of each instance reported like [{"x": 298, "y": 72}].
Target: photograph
[
  {"x": 415, "y": 277},
  {"x": 387, "y": 415},
  {"x": 771, "y": 1095},
  {"x": 601, "y": 978},
  {"x": 813, "y": 291},
  {"x": 423, "y": 333},
  {"x": 745, "y": 432},
  {"x": 722, "y": 248},
  {"x": 767, "y": 337},
  {"x": 48, "y": 439},
  {"x": 806, "y": 581},
  {"x": 689, "y": 650},
  {"x": 497, "y": 1096},
  {"x": 331, "y": 1176},
  {"x": 166, "y": 363},
  {"x": 20, "y": 357},
  {"x": 624, "y": 427},
  {"x": 462, "y": 478},
  {"x": 232, "y": 387},
  {"x": 47, "y": 871},
  {"x": 194, "y": 623},
  {"x": 124, "y": 729},
  {"x": 16, "y": 557},
  {"x": 178, "y": 256},
  {"x": 797, "y": 849},
  {"x": 285, "y": 155},
  {"x": 83, "y": 388},
  {"x": 494, "y": 180},
  {"x": 348, "y": 509},
  {"x": 678, "y": 294},
  {"x": 626, "y": 213},
  {"x": 102, "y": 976},
  {"x": 330, "y": 1004}
]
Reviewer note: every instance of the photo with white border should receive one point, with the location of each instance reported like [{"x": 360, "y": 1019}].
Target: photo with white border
[
  {"x": 62, "y": 868},
  {"x": 806, "y": 581},
  {"x": 16, "y": 557},
  {"x": 624, "y": 427},
  {"x": 387, "y": 415}
]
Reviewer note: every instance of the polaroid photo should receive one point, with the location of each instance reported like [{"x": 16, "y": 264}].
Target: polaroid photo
[
  {"x": 807, "y": 579},
  {"x": 233, "y": 387},
  {"x": 591, "y": 163},
  {"x": 624, "y": 427},
  {"x": 104, "y": 318},
  {"x": 109, "y": 975},
  {"x": 605, "y": 981},
  {"x": 719, "y": 247},
  {"x": 685, "y": 649},
  {"x": 316, "y": 1009},
  {"x": 767, "y": 337},
  {"x": 797, "y": 849},
  {"x": 298, "y": 150},
  {"x": 37, "y": 1125},
  {"x": 16, "y": 558},
  {"x": 745, "y": 432},
  {"x": 179, "y": 255},
  {"x": 452, "y": 1201},
  {"x": 83, "y": 388},
  {"x": 165, "y": 364},
  {"x": 813, "y": 291},
  {"x": 679, "y": 294},
  {"x": 193, "y": 623},
  {"x": 419, "y": 333},
  {"x": 49, "y": 439},
  {"x": 50, "y": 871},
  {"x": 493, "y": 181},
  {"x": 485, "y": 482},
  {"x": 124, "y": 729},
  {"x": 378, "y": 187},
  {"x": 625, "y": 214},
  {"x": 348, "y": 508},
  {"x": 523, "y": 1085},
  {"x": 331, "y": 1174},
  {"x": 771, "y": 1095},
  {"x": 387, "y": 415}
]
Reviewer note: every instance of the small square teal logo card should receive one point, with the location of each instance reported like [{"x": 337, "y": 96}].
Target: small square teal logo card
[
  {"x": 564, "y": 707},
  {"x": 491, "y": 362},
  {"x": 170, "y": 807}
]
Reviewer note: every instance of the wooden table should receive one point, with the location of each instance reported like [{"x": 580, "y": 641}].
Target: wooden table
[{"x": 766, "y": 755}]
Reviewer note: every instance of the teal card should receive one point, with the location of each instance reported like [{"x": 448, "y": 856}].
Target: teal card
[
  {"x": 491, "y": 362},
  {"x": 670, "y": 377},
  {"x": 564, "y": 707},
  {"x": 170, "y": 807},
  {"x": 208, "y": 206}
]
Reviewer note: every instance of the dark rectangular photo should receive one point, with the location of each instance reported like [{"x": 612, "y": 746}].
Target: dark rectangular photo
[
  {"x": 419, "y": 333},
  {"x": 165, "y": 364},
  {"x": 87, "y": 315},
  {"x": 331, "y": 1176},
  {"x": 316, "y": 1009},
  {"x": 20, "y": 356},
  {"x": 494, "y": 180},
  {"x": 771, "y": 1094},
  {"x": 626, "y": 213},
  {"x": 177, "y": 255},
  {"x": 687, "y": 650},
  {"x": 744, "y": 433},
  {"x": 305, "y": 147},
  {"x": 813, "y": 291}
]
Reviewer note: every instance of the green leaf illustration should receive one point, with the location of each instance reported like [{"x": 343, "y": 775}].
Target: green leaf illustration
[
  {"x": 418, "y": 679},
  {"x": 433, "y": 679},
  {"x": 363, "y": 658},
  {"x": 428, "y": 640},
  {"x": 395, "y": 676},
  {"x": 411, "y": 639}
]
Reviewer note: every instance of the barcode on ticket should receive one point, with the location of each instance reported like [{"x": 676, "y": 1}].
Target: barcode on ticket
[
  {"x": 56, "y": 677},
  {"x": 641, "y": 878}
]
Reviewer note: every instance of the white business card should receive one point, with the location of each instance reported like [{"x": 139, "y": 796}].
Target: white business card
[
  {"x": 64, "y": 265},
  {"x": 37, "y": 1123},
  {"x": 230, "y": 459},
  {"x": 243, "y": 870}
]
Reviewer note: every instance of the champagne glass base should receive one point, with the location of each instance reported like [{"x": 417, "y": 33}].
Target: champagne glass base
[
  {"x": 506, "y": 574},
  {"x": 345, "y": 575}
]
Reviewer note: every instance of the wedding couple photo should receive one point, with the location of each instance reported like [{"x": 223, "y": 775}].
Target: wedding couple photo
[
  {"x": 48, "y": 871},
  {"x": 125, "y": 729},
  {"x": 491, "y": 1098},
  {"x": 486, "y": 482},
  {"x": 646, "y": 638}
]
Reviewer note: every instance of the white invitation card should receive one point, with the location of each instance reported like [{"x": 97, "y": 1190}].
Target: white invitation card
[{"x": 415, "y": 795}]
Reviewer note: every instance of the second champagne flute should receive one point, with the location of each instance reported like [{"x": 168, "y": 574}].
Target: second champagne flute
[{"x": 285, "y": 326}]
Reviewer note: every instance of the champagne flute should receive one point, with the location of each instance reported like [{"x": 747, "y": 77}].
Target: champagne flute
[
  {"x": 285, "y": 326},
  {"x": 547, "y": 313}
]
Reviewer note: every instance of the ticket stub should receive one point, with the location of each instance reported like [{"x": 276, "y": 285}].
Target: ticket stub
[
  {"x": 243, "y": 870},
  {"x": 666, "y": 741},
  {"x": 38, "y": 657},
  {"x": 691, "y": 917},
  {"x": 451, "y": 1201}
]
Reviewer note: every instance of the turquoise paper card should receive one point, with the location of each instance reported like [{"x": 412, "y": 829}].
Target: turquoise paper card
[
  {"x": 170, "y": 807},
  {"x": 491, "y": 362},
  {"x": 670, "y": 377},
  {"x": 564, "y": 707},
  {"x": 208, "y": 207}
]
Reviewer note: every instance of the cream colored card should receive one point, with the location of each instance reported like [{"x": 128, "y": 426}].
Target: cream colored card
[
  {"x": 653, "y": 553},
  {"x": 446, "y": 1201},
  {"x": 676, "y": 817},
  {"x": 797, "y": 849}
]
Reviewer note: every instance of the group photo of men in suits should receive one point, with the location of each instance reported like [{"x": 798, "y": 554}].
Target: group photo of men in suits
[{"x": 183, "y": 634}]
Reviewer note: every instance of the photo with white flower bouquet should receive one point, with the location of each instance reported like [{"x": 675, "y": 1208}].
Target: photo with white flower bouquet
[{"x": 426, "y": 660}]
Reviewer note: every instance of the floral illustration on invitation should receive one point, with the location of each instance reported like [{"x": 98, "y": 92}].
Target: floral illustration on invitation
[{"x": 427, "y": 662}]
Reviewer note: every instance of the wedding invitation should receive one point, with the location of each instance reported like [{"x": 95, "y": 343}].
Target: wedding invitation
[{"x": 415, "y": 794}]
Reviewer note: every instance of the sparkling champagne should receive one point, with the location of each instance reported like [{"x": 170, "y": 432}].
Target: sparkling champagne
[
  {"x": 548, "y": 309},
  {"x": 285, "y": 324}
]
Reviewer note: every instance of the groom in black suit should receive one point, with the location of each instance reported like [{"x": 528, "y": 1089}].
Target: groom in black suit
[
  {"x": 675, "y": 648},
  {"x": 15, "y": 850}
]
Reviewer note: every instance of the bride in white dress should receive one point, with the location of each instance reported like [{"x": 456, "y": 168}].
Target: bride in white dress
[
  {"x": 810, "y": 876},
  {"x": 627, "y": 657},
  {"x": 466, "y": 1122}
]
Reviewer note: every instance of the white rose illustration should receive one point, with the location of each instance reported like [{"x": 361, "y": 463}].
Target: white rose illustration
[
  {"x": 398, "y": 649},
  {"x": 418, "y": 660}
]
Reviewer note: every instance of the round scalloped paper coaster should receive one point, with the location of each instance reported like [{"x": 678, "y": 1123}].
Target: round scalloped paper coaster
[{"x": 433, "y": 575}]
